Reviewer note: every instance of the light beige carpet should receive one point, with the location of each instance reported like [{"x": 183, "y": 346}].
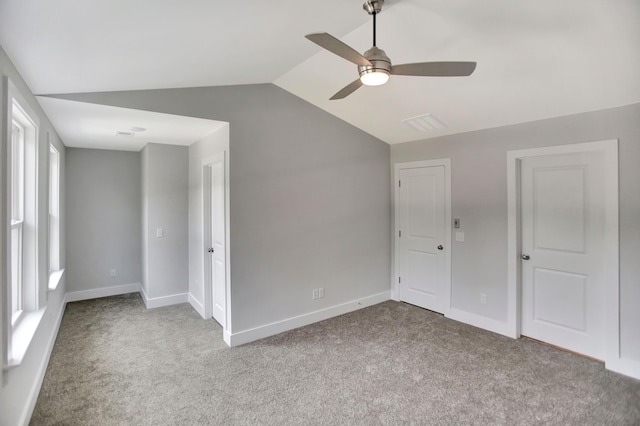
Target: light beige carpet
[{"x": 116, "y": 363}]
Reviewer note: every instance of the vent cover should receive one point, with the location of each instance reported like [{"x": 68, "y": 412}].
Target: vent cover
[{"x": 425, "y": 123}]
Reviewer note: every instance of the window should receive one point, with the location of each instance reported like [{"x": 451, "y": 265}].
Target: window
[
  {"x": 17, "y": 220},
  {"x": 25, "y": 291},
  {"x": 55, "y": 272}
]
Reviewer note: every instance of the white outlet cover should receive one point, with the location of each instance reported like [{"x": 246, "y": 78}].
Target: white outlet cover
[{"x": 460, "y": 237}]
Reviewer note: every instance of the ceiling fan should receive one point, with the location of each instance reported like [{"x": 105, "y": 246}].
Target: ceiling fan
[{"x": 374, "y": 67}]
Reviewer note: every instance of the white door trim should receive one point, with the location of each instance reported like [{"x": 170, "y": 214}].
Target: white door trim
[
  {"x": 206, "y": 228},
  {"x": 611, "y": 248},
  {"x": 446, "y": 163}
]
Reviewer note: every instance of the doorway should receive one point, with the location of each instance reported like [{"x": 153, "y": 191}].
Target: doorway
[
  {"x": 422, "y": 234},
  {"x": 563, "y": 246},
  {"x": 215, "y": 250}
]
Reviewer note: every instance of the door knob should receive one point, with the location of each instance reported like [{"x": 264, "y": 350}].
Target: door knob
[
  {"x": 525, "y": 257},
  {"x": 210, "y": 250},
  {"x": 440, "y": 247}
]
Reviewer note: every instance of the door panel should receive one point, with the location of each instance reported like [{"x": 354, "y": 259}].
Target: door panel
[
  {"x": 421, "y": 264},
  {"x": 563, "y": 291},
  {"x": 422, "y": 229},
  {"x": 560, "y": 299},
  {"x": 559, "y": 204}
]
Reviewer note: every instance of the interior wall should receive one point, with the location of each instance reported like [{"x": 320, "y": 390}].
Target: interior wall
[
  {"x": 103, "y": 210},
  {"x": 479, "y": 200},
  {"x": 165, "y": 210},
  {"x": 19, "y": 386},
  {"x": 215, "y": 143},
  {"x": 309, "y": 195}
]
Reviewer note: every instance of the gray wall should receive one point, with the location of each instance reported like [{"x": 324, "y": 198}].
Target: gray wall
[
  {"x": 310, "y": 204},
  {"x": 479, "y": 199},
  {"x": 19, "y": 386},
  {"x": 165, "y": 205},
  {"x": 103, "y": 213}
]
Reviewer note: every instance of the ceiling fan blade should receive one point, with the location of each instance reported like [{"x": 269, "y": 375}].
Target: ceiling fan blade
[
  {"x": 334, "y": 45},
  {"x": 435, "y": 69},
  {"x": 347, "y": 90}
]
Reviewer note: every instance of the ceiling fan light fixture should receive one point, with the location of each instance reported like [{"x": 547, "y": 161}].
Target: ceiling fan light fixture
[
  {"x": 374, "y": 77},
  {"x": 378, "y": 72}
]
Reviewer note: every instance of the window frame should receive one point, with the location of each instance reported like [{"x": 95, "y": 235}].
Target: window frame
[
  {"x": 18, "y": 330},
  {"x": 16, "y": 202},
  {"x": 53, "y": 236}
]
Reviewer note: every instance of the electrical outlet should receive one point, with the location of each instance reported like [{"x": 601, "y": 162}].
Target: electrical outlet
[
  {"x": 483, "y": 298},
  {"x": 321, "y": 292},
  {"x": 315, "y": 294},
  {"x": 460, "y": 237},
  {"x": 112, "y": 273}
]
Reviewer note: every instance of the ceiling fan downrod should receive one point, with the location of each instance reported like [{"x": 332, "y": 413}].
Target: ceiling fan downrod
[
  {"x": 373, "y": 7},
  {"x": 374, "y": 29}
]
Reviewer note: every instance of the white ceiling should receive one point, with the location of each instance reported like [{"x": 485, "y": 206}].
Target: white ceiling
[
  {"x": 83, "y": 125},
  {"x": 535, "y": 59}
]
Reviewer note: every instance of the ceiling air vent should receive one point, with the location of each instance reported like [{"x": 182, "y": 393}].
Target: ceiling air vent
[
  {"x": 126, "y": 134},
  {"x": 425, "y": 123}
]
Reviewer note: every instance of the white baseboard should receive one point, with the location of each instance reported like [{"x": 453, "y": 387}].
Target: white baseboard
[
  {"x": 158, "y": 302},
  {"x": 481, "y": 322},
  {"x": 246, "y": 336},
  {"x": 195, "y": 304},
  {"x": 393, "y": 294},
  {"x": 74, "y": 296},
  {"x": 44, "y": 363},
  {"x": 624, "y": 366}
]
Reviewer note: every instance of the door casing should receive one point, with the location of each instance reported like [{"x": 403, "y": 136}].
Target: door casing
[
  {"x": 446, "y": 163},
  {"x": 206, "y": 227},
  {"x": 609, "y": 149}
]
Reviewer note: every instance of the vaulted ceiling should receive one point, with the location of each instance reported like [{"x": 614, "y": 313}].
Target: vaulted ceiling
[{"x": 535, "y": 59}]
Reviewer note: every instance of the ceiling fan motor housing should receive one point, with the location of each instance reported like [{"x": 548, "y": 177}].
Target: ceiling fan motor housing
[{"x": 380, "y": 62}]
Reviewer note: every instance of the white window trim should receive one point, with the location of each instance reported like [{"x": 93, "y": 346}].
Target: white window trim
[
  {"x": 17, "y": 314},
  {"x": 55, "y": 269},
  {"x": 16, "y": 197},
  {"x": 17, "y": 335}
]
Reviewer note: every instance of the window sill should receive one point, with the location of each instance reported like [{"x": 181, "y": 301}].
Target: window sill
[
  {"x": 54, "y": 279},
  {"x": 22, "y": 336}
]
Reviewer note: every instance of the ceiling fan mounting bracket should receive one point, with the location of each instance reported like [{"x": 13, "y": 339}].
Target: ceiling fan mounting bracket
[{"x": 373, "y": 6}]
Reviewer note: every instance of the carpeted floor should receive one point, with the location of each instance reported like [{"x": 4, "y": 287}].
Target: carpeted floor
[{"x": 116, "y": 363}]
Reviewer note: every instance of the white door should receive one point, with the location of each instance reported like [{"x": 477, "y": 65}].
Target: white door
[
  {"x": 217, "y": 246},
  {"x": 563, "y": 233},
  {"x": 421, "y": 237}
]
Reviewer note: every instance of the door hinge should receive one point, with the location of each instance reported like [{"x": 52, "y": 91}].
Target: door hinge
[
  {"x": 399, "y": 184},
  {"x": 399, "y": 280},
  {"x": 399, "y": 234}
]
